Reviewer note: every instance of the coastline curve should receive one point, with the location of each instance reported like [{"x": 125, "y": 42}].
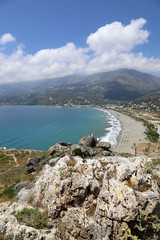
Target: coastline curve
[{"x": 112, "y": 131}]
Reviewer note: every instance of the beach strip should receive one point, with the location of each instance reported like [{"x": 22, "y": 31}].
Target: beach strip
[{"x": 131, "y": 135}]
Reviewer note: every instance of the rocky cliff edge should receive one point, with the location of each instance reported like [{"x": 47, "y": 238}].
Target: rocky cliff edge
[{"x": 85, "y": 199}]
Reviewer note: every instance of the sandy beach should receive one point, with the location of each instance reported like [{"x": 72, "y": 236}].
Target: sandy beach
[{"x": 131, "y": 135}]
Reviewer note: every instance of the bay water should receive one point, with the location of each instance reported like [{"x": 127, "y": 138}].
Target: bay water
[{"x": 40, "y": 127}]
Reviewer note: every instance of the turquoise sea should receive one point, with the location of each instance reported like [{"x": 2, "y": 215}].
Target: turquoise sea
[{"x": 40, "y": 127}]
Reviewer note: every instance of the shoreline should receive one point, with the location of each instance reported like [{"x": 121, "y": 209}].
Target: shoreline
[
  {"x": 124, "y": 134},
  {"x": 113, "y": 131},
  {"x": 131, "y": 134}
]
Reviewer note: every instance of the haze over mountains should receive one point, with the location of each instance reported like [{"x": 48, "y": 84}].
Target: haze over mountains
[{"x": 122, "y": 84}]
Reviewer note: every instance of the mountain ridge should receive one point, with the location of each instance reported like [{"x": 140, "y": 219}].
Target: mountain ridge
[{"x": 122, "y": 84}]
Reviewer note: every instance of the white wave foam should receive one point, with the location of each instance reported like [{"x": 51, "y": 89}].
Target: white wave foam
[{"x": 113, "y": 131}]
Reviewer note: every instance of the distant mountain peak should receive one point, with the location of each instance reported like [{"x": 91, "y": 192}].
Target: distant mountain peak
[{"x": 122, "y": 84}]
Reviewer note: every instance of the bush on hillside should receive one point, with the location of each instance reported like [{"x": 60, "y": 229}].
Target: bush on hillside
[
  {"x": 9, "y": 191},
  {"x": 77, "y": 152},
  {"x": 32, "y": 217},
  {"x": 152, "y": 133}
]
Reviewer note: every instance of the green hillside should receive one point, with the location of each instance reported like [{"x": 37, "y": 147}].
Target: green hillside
[{"x": 121, "y": 85}]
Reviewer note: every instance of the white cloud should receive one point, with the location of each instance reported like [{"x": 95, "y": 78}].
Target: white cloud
[
  {"x": 118, "y": 38},
  {"x": 46, "y": 63},
  {"x": 115, "y": 61},
  {"x": 109, "y": 48},
  {"x": 6, "y": 38}
]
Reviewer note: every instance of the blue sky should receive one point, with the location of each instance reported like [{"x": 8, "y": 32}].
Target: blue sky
[{"x": 51, "y": 38}]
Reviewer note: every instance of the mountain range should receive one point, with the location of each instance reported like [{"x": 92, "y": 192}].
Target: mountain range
[{"x": 121, "y": 85}]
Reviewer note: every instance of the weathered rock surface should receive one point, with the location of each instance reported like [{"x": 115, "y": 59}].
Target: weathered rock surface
[
  {"x": 91, "y": 199},
  {"x": 88, "y": 145},
  {"x": 35, "y": 163},
  {"x": 19, "y": 186},
  {"x": 88, "y": 141},
  {"x": 104, "y": 145},
  {"x": 60, "y": 148}
]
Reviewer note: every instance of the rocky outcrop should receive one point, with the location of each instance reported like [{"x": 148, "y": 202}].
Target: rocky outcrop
[
  {"x": 88, "y": 141},
  {"x": 91, "y": 198},
  {"x": 104, "y": 145},
  {"x": 60, "y": 148},
  {"x": 88, "y": 147},
  {"x": 19, "y": 186},
  {"x": 34, "y": 164}
]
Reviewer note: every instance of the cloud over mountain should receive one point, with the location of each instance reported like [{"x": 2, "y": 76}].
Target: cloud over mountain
[{"x": 109, "y": 48}]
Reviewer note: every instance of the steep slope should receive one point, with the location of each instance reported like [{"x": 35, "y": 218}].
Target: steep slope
[
  {"x": 124, "y": 84},
  {"x": 151, "y": 98}
]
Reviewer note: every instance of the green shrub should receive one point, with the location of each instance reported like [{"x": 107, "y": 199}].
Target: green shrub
[
  {"x": 32, "y": 217},
  {"x": 146, "y": 228},
  {"x": 77, "y": 152},
  {"x": 150, "y": 165},
  {"x": 9, "y": 191},
  {"x": 4, "y": 159},
  {"x": 152, "y": 133}
]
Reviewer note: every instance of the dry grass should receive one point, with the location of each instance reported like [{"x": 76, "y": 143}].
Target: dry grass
[
  {"x": 150, "y": 149},
  {"x": 133, "y": 185},
  {"x": 91, "y": 211},
  {"x": 111, "y": 173},
  {"x": 13, "y": 172},
  {"x": 72, "y": 162}
]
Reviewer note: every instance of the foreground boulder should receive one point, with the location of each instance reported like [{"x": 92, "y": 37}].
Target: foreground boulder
[
  {"x": 94, "y": 198},
  {"x": 60, "y": 148},
  {"x": 88, "y": 141},
  {"x": 104, "y": 145}
]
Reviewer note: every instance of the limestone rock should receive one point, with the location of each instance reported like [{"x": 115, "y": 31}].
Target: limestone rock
[
  {"x": 11, "y": 229},
  {"x": 35, "y": 163},
  {"x": 19, "y": 186},
  {"x": 88, "y": 141},
  {"x": 104, "y": 145},
  {"x": 60, "y": 148},
  {"x": 53, "y": 161},
  {"x": 91, "y": 199}
]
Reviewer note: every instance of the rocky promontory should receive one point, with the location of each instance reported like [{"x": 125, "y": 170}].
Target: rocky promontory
[{"x": 88, "y": 197}]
